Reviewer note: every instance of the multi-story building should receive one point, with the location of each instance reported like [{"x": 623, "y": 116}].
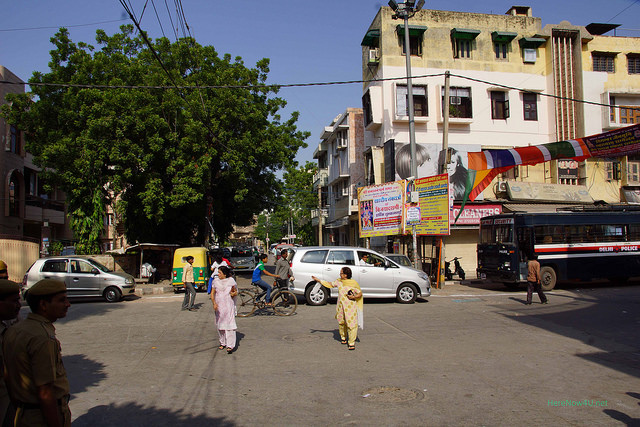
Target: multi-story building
[
  {"x": 502, "y": 70},
  {"x": 29, "y": 213},
  {"x": 341, "y": 171}
]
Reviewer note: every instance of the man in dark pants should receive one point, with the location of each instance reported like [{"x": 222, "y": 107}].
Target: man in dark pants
[
  {"x": 533, "y": 280},
  {"x": 189, "y": 283},
  {"x": 36, "y": 378}
]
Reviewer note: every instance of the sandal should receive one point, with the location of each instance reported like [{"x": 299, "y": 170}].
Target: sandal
[
  {"x": 221, "y": 347},
  {"x": 229, "y": 350},
  {"x": 343, "y": 341},
  {"x": 352, "y": 347}
]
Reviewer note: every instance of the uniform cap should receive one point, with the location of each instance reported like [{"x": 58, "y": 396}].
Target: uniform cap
[
  {"x": 7, "y": 287},
  {"x": 3, "y": 265},
  {"x": 47, "y": 287}
]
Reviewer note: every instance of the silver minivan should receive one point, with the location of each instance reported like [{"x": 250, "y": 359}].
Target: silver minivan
[
  {"x": 84, "y": 277},
  {"x": 378, "y": 276}
]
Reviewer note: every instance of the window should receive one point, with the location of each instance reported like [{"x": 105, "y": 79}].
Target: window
[
  {"x": 633, "y": 169},
  {"x": 78, "y": 266},
  {"x": 500, "y": 50},
  {"x": 415, "y": 39},
  {"x": 633, "y": 63},
  {"x": 415, "y": 43},
  {"x": 366, "y": 109},
  {"x": 14, "y": 196},
  {"x": 14, "y": 141},
  {"x": 530, "y": 106},
  {"x": 612, "y": 171},
  {"x": 529, "y": 55},
  {"x": 55, "y": 266},
  {"x": 603, "y": 62},
  {"x": 499, "y": 105},
  {"x": 341, "y": 257},
  {"x": 314, "y": 257},
  {"x": 419, "y": 101},
  {"x": 462, "y": 48},
  {"x": 459, "y": 102},
  {"x": 629, "y": 114}
]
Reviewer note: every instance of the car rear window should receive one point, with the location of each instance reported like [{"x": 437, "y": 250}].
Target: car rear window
[
  {"x": 314, "y": 257},
  {"x": 55, "y": 266},
  {"x": 240, "y": 253}
]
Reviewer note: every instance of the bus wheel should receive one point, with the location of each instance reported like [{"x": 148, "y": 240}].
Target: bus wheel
[{"x": 547, "y": 278}]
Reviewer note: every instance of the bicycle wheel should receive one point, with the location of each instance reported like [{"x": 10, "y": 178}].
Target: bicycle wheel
[
  {"x": 284, "y": 303},
  {"x": 245, "y": 304}
]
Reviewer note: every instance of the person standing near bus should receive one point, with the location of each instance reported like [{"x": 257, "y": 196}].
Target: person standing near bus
[
  {"x": 533, "y": 280},
  {"x": 189, "y": 285}
]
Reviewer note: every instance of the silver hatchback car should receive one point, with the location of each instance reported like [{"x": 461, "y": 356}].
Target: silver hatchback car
[
  {"x": 378, "y": 276},
  {"x": 84, "y": 277}
]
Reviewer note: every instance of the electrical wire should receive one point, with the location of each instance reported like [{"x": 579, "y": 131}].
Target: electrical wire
[{"x": 65, "y": 26}]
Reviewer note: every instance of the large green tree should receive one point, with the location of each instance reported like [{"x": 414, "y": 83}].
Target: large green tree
[{"x": 167, "y": 158}]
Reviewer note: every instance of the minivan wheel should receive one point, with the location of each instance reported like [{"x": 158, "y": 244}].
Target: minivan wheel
[
  {"x": 318, "y": 297},
  {"x": 112, "y": 294},
  {"x": 407, "y": 293}
]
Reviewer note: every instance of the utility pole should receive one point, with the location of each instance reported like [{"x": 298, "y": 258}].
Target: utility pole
[
  {"x": 443, "y": 169},
  {"x": 405, "y": 11}
]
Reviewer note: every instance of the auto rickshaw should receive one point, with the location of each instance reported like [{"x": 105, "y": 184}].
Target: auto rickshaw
[{"x": 201, "y": 267}]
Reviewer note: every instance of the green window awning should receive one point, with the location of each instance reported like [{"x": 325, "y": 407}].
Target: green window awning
[
  {"x": 414, "y": 30},
  {"x": 464, "y": 33},
  {"x": 531, "y": 42},
  {"x": 502, "y": 36},
  {"x": 371, "y": 38}
]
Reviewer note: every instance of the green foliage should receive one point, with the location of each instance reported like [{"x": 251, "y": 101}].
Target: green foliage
[{"x": 166, "y": 159}]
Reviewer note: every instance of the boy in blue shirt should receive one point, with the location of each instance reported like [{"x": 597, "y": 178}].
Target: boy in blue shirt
[{"x": 257, "y": 277}]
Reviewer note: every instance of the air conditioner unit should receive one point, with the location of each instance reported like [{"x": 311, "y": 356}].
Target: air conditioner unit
[
  {"x": 345, "y": 191},
  {"x": 502, "y": 187},
  {"x": 374, "y": 55}
]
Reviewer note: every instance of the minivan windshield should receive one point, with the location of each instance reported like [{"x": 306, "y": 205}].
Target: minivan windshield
[{"x": 99, "y": 266}]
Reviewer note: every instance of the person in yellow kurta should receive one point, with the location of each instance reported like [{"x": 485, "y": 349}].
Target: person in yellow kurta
[{"x": 349, "y": 308}]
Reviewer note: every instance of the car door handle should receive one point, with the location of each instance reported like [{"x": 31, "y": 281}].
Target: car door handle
[{"x": 75, "y": 279}]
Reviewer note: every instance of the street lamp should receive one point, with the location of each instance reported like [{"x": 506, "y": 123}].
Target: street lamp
[{"x": 405, "y": 11}]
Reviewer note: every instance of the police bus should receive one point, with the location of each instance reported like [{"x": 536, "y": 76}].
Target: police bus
[{"x": 571, "y": 244}]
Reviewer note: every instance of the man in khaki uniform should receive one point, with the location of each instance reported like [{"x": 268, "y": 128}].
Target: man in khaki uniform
[
  {"x": 36, "y": 378},
  {"x": 9, "y": 308}
]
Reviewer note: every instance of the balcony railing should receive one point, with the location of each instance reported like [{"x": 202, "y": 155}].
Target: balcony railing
[
  {"x": 43, "y": 203},
  {"x": 321, "y": 178}
]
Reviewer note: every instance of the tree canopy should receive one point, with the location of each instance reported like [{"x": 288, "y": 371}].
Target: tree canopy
[{"x": 167, "y": 158}]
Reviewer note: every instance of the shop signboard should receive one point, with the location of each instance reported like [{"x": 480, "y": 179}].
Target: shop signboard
[{"x": 380, "y": 209}]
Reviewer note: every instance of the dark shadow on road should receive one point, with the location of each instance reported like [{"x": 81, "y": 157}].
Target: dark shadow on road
[
  {"x": 132, "y": 414},
  {"x": 604, "y": 319},
  {"x": 572, "y": 285},
  {"x": 84, "y": 372},
  {"x": 623, "y": 418}
]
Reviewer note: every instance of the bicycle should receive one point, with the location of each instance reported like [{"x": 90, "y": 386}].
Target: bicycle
[{"x": 284, "y": 302}]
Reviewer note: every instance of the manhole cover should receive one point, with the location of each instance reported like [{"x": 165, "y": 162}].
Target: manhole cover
[
  {"x": 301, "y": 338},
  {"x": 391, "y": 394}
]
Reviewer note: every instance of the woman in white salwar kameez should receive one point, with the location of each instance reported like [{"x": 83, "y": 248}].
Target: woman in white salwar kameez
[{"x": 223, "y": 292}]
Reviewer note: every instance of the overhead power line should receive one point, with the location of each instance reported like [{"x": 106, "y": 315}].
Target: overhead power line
[
  {"x": 310, "y": 84},
  {"x": 55, "y": 27}
]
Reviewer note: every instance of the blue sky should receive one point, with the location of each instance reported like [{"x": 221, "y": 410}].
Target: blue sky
[{"x": 306, "y": 41}]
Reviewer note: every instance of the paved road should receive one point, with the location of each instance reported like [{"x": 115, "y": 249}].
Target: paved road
[{"x": 469, "y": 355}]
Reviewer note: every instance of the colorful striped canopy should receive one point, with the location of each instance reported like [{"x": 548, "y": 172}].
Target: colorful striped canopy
[{"x": 487, "y": 164}]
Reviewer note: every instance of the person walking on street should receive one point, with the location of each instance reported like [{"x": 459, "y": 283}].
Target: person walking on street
[
  {"x": 189, "y": 285},
  {"x": 9, "y": 309},
  {"x": 257, "y": 278},
  {"x": 533, "y": 280},
  {"x": 349, "y": 308},
  {"x": 223, "y": 293},
  {"x": 283, "y": 269},
  {"x": 35, "y": 374}
]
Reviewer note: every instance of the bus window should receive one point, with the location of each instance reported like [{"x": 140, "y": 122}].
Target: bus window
[
  {"x": 548, "y": 234},
  {"x": 486, "y": 234},
  {"x": 634, "y": 232},
  {"x": 504, "y": 233},
  {"x": 609, "y": 233}
]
